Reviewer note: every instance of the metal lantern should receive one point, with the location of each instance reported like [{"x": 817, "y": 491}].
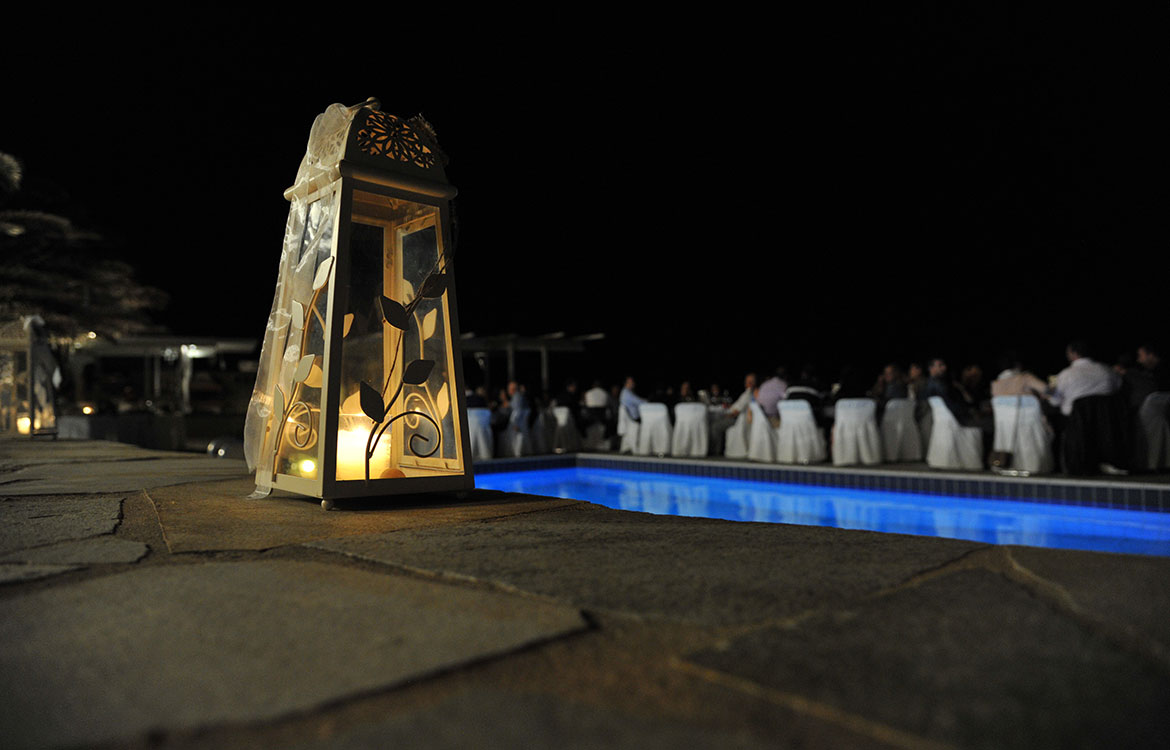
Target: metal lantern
[
  {"x": 360, "y": 386},
  {"x": 29, "y": 378}
]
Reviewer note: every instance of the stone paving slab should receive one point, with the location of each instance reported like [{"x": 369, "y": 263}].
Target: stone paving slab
[
  {"x": 488, "y": 719},
  {"x": 33, "y": 522},
  {"x": 969, "y": 659},
  {"x": 220, "y": 516},
  {"x": 182, "y": 646},
  {"x": 688, "y": 569},
  {"x": 102, "y": 549},
  {"x": 17, "y": 572},
  {"x": 122, "y": 475},
  {"x": 1131, "y": 590}
]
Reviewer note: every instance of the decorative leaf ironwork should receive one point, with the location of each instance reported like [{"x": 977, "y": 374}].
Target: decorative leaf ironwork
[
  {"x": 304, "y": 367},
  {"x": 434, "y": 286},
  {"x": 371, "y": 401},
  {"x": 394, "y": 313},
  {"x": 418, "y": 371},
  {"x": 278, "y": 407},
  {"x": 323, "y": 270},
  {"x": 298, "y": 313},
  {"x": 428, "y": 324},
  {"x": 347, "y": 323}
]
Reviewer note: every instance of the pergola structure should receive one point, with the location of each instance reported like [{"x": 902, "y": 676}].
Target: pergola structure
[{"x": 511, "y": 343}]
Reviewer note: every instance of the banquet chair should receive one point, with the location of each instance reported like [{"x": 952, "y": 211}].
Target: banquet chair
[
  {"x": 736, "y": 438},
  {"x": 798, "y": 439},
  {"x": 655, "y": 432},
  {"x": 952, "y": 446},
  {"x": 901, "y": 440},
  {"x": 565, "y": 439},
  {"x": 479, "y": 423},
  {"x": 761, "y": 437},
  {"x": 516, "y": 439},
  {"x": 627, "y": 429},
  {"x": 690, "y": 430},
  {"x": 856, "y": 439},
  {"x": 1021, "y": 430},
  {"x": 1152, "y": 433}
]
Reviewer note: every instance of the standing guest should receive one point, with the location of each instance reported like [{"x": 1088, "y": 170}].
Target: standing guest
[
  {"x": 770, "y": 393},
  {"x": 477, "y": 399},
  {"x": 1083, "y": 377},
  {"x": 596, "y": 397}
]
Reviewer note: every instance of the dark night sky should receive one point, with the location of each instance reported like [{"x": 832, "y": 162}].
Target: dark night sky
[{"x": 844, "y": 188}]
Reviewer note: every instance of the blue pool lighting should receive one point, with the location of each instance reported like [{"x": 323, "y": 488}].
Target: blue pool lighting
[{"x": 992, "y": 521}]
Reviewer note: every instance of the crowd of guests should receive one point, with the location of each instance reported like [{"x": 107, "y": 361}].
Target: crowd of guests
[{"x": 1128, "y": 382}]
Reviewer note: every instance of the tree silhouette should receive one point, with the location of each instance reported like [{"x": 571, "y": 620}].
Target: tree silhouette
[{"x": 64, "y": 274}]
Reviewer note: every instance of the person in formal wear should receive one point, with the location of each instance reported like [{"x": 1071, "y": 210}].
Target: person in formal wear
[
  {"x": 631, "y": 401},
  {"x": 770, "y": 392},
  {"x": 741, "y": 404},
  {"x": 1084, "y": 376},
  {"x": 939, "y": 384}
]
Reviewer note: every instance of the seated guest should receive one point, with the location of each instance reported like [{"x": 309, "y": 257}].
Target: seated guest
[
  {"x": 596, "y": 397},
  {"x": 740, "y": 405},
  {"x": 940, "y": 385},
  {"x": 891, "y": 383},
  {"x": 770, "y": 393},
  {"x": 631, "y": 401},
  {"x": 1083, "y": 377},
  {"x": 806, "y": 388},
  {"x": 685, "y": 394},
  {"x": 1016, "y": 380},
  {"x": 1144, "y": 376}
]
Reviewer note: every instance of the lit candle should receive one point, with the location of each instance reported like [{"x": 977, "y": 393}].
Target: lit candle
[{"x": 23, "y": 424}]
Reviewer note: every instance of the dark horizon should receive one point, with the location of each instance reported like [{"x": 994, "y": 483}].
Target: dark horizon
[{"x": 926, "y": 186}]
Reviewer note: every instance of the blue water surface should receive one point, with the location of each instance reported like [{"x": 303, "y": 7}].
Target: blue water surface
[{"x": 981, "y": 520}]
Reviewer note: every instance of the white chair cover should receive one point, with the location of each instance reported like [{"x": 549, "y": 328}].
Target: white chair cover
[
  {"x": 761, "y": 438},
  {"x": 516, "y": 439},
  {"x": 1153, "y": 432},
  {"x": 566, "y": 439},
  {"x": 628, "y": 430},
  {"x": 542, "y": 432},
  {"x": 735, "y": 440},
  {"x": 655, "y": 431},
  {"x": 479, "y": 422},
  {"x": 799, "y": 440},
  {"x": 952, "y": 446},
  {"x": 901, "y": 440},
  {"x": 925, "y": 423},
  {"x": 855, "y": 433},
  {"x": 1020, "y": 428},
  {"x": 690, "y": 430}
]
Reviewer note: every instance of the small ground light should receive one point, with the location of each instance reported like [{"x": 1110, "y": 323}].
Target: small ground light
[{"x": 87, "y": 409}]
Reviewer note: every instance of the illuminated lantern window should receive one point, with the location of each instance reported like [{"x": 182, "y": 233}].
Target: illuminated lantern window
[
  {"x": 359, "y": 390},
  {"x": 29, "y": 378}
]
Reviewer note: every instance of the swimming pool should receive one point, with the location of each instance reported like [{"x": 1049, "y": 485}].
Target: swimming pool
[{"x": 992, "y": 521}]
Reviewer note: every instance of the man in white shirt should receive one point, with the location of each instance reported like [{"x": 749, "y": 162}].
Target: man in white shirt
[{"x": 1082, "y": 377}]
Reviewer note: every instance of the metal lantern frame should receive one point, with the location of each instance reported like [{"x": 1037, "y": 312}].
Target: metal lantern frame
[
  {"x": 376, "y": 165},
  {"x": 29, "y": 376}
]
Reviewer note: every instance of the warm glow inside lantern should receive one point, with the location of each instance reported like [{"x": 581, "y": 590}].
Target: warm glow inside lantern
[
  {"x": 29, "y": 377},
  {"x": 359, "y": 390}
]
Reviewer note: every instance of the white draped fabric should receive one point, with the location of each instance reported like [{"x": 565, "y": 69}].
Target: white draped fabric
[
  {"x": 901, "y": 440},
  {"x": 1020, "y": 429},
  {"x": 479, "y": 422},
  {"x": 736, "y": 438},
  {"x": 654, "y": 434},
  {"x": 799, "y": 440},
  {"x": 628, "y": 430},
  {"x": 761, "y": 438},
  {"x": 690, "y": 430},
  {"x": 855, "y": 433},
  {"x": 566, "y": 439},
  {"x": 952, "y": 446},
  {"x": 1153, "y": 432}
]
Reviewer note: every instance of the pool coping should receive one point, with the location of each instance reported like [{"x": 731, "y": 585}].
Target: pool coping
[{"x": 1128, "y": 494}]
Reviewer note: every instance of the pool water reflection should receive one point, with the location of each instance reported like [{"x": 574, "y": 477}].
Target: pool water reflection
[{"x": 992, "y": 521}]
